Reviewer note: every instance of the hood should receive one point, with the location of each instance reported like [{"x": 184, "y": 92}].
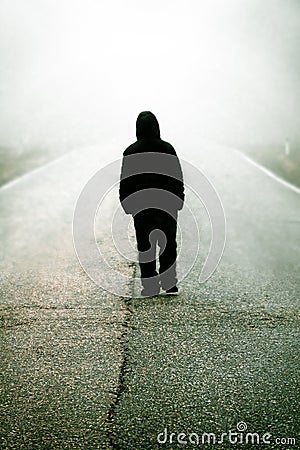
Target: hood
[{"x": 147, "y": 126}]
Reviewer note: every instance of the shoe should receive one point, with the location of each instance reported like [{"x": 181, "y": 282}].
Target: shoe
[
  {"x": 172, "y": 291},
  {"x": 149, "y": 292}
]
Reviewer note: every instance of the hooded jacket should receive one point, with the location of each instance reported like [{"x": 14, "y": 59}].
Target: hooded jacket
[{"x": 151, "y": 174}]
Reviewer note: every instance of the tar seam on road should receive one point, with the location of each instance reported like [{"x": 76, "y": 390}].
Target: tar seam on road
[{"x": 124, "y": 370}]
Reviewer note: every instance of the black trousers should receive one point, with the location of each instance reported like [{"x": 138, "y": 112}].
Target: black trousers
[{"x": 156, "y": 227}]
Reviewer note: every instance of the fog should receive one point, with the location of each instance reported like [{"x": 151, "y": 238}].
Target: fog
[{"x": 77, "y": 72}]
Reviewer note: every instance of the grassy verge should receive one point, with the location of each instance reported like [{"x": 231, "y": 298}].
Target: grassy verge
[
  {"x": 15, "y": 163},
  {"x": 275, "y": 158}
]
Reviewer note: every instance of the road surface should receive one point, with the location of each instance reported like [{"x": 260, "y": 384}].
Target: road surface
[{"x": 84, "y": 368}]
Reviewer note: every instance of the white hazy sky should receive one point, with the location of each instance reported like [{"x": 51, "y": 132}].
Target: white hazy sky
[{"x": 74, "y": 72}]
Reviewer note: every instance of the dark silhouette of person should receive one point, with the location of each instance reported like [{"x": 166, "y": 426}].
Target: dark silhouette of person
[{"x": 152, "y": 190}]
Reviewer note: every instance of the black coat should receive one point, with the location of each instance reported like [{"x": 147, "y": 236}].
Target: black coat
[{"x": 151, "y": 175}]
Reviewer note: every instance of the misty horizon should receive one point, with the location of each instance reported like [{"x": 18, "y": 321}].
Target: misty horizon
[{"x": 78, "y": 73}]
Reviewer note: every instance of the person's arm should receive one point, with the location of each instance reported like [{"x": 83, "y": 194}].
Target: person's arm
[
  {"x": 181, "y": 186},
  {"x": 125, "y": 187},
  {"x": 122, "y": 185},
  {"x": 177, "y": 183}
]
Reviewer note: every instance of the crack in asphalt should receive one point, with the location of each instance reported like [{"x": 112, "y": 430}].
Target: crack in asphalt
[{"x": 124, "y": 369}]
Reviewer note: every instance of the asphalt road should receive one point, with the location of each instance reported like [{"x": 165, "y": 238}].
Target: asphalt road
[{"x": 84, "y": 368}]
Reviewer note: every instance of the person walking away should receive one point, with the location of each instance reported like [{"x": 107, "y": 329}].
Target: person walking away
[{"x": 152, "y": 190}]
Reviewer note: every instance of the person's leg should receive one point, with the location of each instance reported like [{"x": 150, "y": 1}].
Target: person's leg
[
  {"x": 147, "y": 252},
  {"x": 168, "y": 251}
]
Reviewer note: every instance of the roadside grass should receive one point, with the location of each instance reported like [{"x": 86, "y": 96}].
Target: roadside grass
[
  {"x": 275, "y": 158},
  {"x": 14, "y": 163}
]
